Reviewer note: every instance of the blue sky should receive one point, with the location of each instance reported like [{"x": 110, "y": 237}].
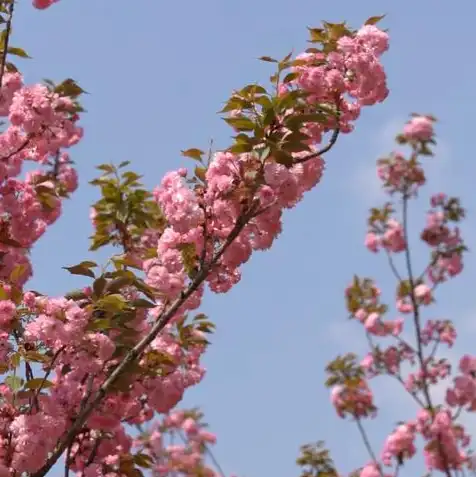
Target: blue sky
[{"x": 157, "y": 73}]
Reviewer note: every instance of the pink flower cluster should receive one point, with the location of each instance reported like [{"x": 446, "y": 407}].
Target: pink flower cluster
[
  {"x": 442, "y": 437},
  {"x": 236, "y": 210},
  {"x": 205, "y": 218},
  {"x": 42, "y": 123},
  {"x": 185, "y": 452},
  {"x": 414, "y": 363},
  {"x": 83, "y": 360},
  {"x": 354, "y": 70},
  {"x": 356, "y": 400}
]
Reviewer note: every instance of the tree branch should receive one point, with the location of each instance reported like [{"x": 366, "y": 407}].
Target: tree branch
[
  {"x": 330, "y": 145},
  {"x": 8, "y": 30},
  {"x": 137, "y": 351},
  {"x": 417, "y": 322}
]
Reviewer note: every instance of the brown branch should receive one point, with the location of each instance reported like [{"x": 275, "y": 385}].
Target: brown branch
[
  {"x": 67, "y": 462},
  {"x": 417, "y": 323},
  {"x": 334, "y": 137},
  {"x": 368, "y": 445},
  {"x": 94, "y": 452},
  {"x": 8, "y": 30},
  {"x": 324, "y": 150},
  {"x": 137, "y": 351},
  {"x": 19, "y": 149},
  {"x": 45, "y": 377}
]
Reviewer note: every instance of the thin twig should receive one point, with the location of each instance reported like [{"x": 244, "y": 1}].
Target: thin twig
[
  {"x": 393, "y": 267},
  {"x": 94, "y": 452},
  {"x": 333, "y": 140},
  {"x": 45, "y": 377},
  {"x": 8, "y": 30},
  {"x": 367, "y": 444},
  {"x": 325, "y": 149},
  {"x": 416, "y": 309},
  {"x": 214, "y": 460},
  {"x": 67, "y": 462},
  {"x": 417, "y": 323}
]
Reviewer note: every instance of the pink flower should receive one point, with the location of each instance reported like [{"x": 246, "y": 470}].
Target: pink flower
[
  {"x": 419, "y": 128},
  {"x": 423, "y": 294},
  {"x": 42, "y": 4},
  {"x": 372, "y": 242}
]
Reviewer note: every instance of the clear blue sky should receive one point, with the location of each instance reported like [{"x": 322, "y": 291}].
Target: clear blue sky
[{"x": 157, "y": 72}]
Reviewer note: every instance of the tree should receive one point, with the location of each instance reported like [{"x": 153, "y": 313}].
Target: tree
[
  {"x": 83, "y": 370},
  {"x": 409, "y": 357}
]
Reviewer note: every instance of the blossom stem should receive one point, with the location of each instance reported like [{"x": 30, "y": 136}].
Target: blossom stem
[
  {"x": 417, "y": 323},
  {"x": 368, "y": 445},
  {"x": 8, "y": 30}
]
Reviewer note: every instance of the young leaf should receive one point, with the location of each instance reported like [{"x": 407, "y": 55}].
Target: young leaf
[
  {"x": 268, "y": 59},
  {"x": 193, "y": 153},
  {"x": 37, "y": 383},
  {"x": 18, "y": 52},
  {"x": 14, "y": 382},
  {"x": 374, "y": 20},
  {"x": 83, "y": 268}
]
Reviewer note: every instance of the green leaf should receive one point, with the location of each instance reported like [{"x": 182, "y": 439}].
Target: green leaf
[
  {"x": 17, "y": 272},
  {"x": 298, "y": 120},
  {"x": 142, "y": 303},
  {"x": 123, "y": 164},
  {"x": 18, "y": 52},
  {"x": 189, "y": 257},
  {"x": 290, "y": 77},
  {"x": 88, "y": 264},
  {"x": 102, "y": 324},
  {"x": 193, "y": 153},
  {"x": 99, "y": 241},
  {"x": 36, "y": 357},
  {"x": 236, "y": 103},
  {"x": 265, "y": 153},
  {"x": 241, "y": 123},
  {"x": 143, "y": 460},
  {"x": 130, "y": 177},
  {"x": 38, "y": 383},
  {"x": 269, "y": 117},
  {"x": 113, "y": 302},
  {"x": 268, "y": 59},
  {"x": 83, "y": 268},
  {"x": 282, "y": 157},
  {"x": 253, "y": 89},
  {"x": 119, "y": 283},
  {"x": 15, "y": 360},
  {"x": 318, "y": 35},
  {"x": 70, "y": 88},
  {"x": 200, "y": 172},
  {"x": 3, "y": 294},
  {"x": 374, "y": 20},
  {"x": 99, "y": 285},
  {"x": 201, "y": 317},
  {"x": 241, "y": 148},
  {"x": 109, "y": 168},
  {"x": 14, "y": 382},
  {"x": 295, "y": 146},
  {"x": 264, "y": 102}
]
